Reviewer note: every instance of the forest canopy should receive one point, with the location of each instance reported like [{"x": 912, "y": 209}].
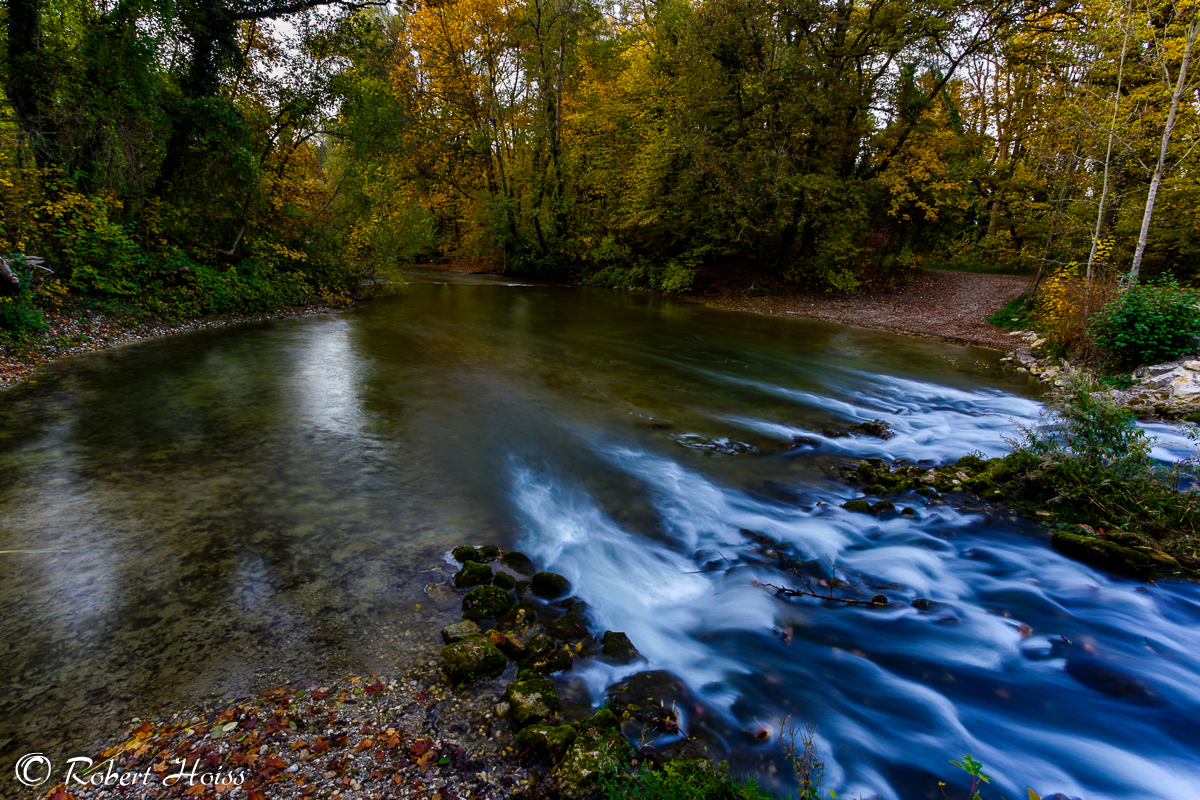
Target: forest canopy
[{"x": 229, "y": 154}]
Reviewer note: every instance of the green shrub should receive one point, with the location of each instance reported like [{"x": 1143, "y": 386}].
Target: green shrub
[
  {"x": 1090, "y": 462},
  {"x": 1149, "y": 323},
  {"x": 682, "y": 779}
]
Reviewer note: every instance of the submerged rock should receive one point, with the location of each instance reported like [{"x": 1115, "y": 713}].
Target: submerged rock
[
  {"x": 859, "y": 506},
  {"x": 472, "y": 658},
  {"x": 486, "y": 602}
]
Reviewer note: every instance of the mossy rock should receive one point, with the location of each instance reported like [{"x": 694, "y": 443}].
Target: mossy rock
[
  {"x": 970, "y": 464},
  {"x": 531, "y": 700},
  {"x": 645, "y": 695},
  {"x": 604, "y": 719},
  {"x": 572, "y": 626},
  {"x": 472, "y": 573},
  {"x": 545, "y": 743},
  {"x": 858, "y": 506},
  {"x": 489, "y": 552},
  {"x": 875, "y": 488},
  {"x": 459, "y": 631},
  {"x": 1135, "y": 562},
  {"x": 877, "y": 428},
  {"x": 472, "y": 658},
  {"x": 993, "y": 495},
  {"x": 514, "y": 644},
  {"x": 521, "y": 614},
  {"x": 549, "y": 585},
  {"x": 555, "y": 660},
  {"x": 882, "y": 506},
  {"x": 464, "y": 553},
  {"x": 486, "y": 602},
  {"x": 540, "y": 646},
  {"x": 518, "y": 562},
  {"x": 616, "y": 648},
  {"x": 593, "y": 755},
  {"x": 504, "y": 581}
]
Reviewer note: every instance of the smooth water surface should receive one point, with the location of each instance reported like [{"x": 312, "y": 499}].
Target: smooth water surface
[{"x": 206, "y": 515}]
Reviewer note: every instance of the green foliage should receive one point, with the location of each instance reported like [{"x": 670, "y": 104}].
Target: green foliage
[
  {"x": 1014, "y": 316},
  {"x": 975, "y": 770},
  {"x": 682, "y": 779},
  {"x": 20, "y": 318},
  {"x": 1090, "y": 463},
  {"x": 1149, "y": 323}
]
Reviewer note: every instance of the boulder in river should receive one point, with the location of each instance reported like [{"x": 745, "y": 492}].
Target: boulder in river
[
  {"x": 518, "y": 563},
  {"x": 549, "y": 585},
  {"x": 472, "y": 658},
  {"x": 572, "y": 626},
  {"x": 504, "y": 581},
  {"x": 616, "y": 648},
  {"x": 521, "y": 614},
  {"x": 464, "y": 553},
  {"x": 472, "y": 573},
  {"x": 486, "y": 602},
  {"x": 489, "y": 552}
]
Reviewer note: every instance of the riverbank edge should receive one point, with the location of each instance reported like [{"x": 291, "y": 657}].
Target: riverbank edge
[{"x": 77, "y": 332}]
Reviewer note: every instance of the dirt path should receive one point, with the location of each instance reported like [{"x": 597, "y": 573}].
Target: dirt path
[{"x": 948, "y": 306}]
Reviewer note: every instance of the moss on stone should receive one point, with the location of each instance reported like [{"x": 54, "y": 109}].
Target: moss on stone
[
  {"x": 594, "y": 754},
  {"x": 486, "y": 602},
  {"x": 545, "y": 743},
  {"x": 531, "y": 700},
  {"x": 472, "y": 573},
  {"x": 464, "y": 553},
  {"x": 471, "y": 658}
]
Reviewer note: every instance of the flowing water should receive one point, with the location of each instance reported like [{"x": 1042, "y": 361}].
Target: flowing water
[{"x": 202, "y": 516}]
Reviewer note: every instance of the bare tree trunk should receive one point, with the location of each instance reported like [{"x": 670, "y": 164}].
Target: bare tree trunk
[
  {"x": 1112, "y": 129},
  {"x": 1192, "y": 30},
  {"x": 9, "y": 282}
]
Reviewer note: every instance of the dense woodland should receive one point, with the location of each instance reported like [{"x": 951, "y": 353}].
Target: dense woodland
[{"x": 212, "y": 155}]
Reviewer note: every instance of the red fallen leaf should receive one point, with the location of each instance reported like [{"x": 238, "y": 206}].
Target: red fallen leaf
[
  {"x": 256, "y": 794},
  {"x": 422, "y": 697},
  {"x": 59, "y": 796},
  {"x": 196, "y": 789},
  {"x": 391, "y": 743},
  {"x": 144, "y": 727},
  {"x": 320, "y": 745},
  {"x": 319, "y": 695},
  {"x": 213, "y": 759},
  {"x": 374, "y": 688},
  {"x": 420, "y": 746},
  {"x": 364, "y": 730},
  {"x": 341, "y": 740}
]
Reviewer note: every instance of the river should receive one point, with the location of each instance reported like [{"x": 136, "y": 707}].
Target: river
[{"x": 203, "y": 516}]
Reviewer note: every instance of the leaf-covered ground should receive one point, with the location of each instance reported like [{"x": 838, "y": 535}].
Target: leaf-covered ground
[{"x": 356, "y": 739}]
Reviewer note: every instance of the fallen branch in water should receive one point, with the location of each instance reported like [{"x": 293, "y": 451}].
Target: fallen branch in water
[{"x": 877, "y": 600}]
